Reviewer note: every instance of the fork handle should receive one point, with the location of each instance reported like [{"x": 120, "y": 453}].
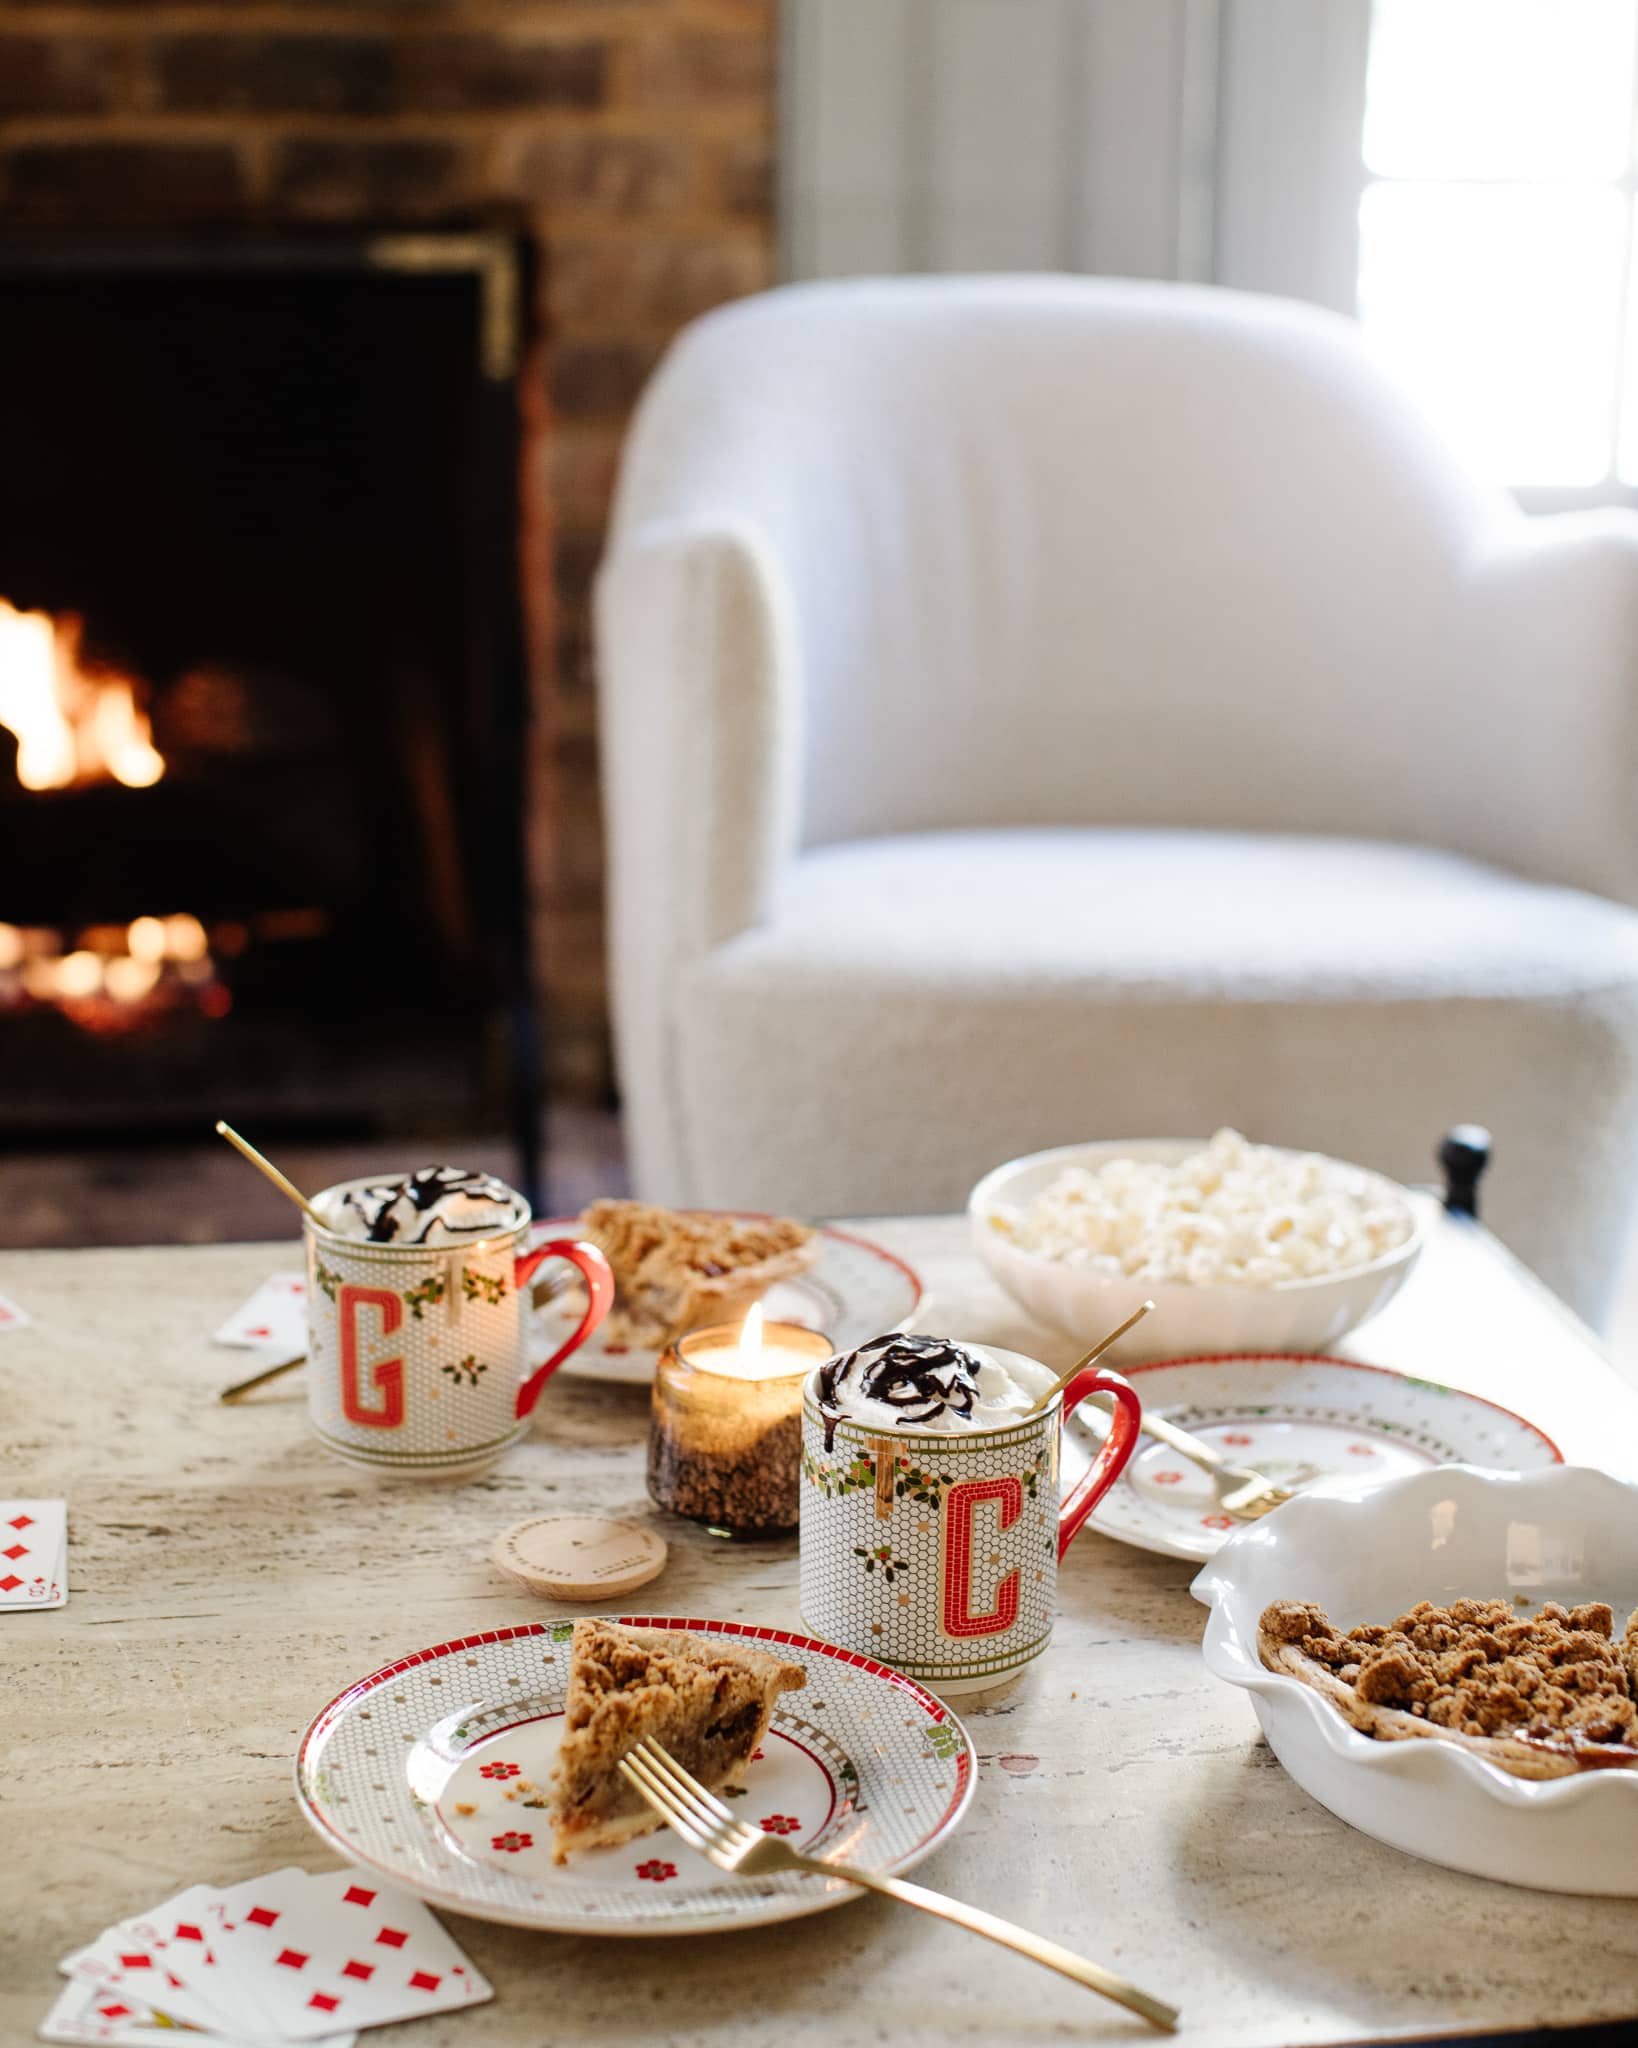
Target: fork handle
[
  {"x": 977, "y": 1921},
  {"x": 1175, "y": 1439}
]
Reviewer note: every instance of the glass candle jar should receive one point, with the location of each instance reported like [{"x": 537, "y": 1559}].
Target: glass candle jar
[{"x": 725, "y": 1438}]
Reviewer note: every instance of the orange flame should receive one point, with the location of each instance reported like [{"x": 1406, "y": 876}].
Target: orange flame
[{"x": 71, "y": 724}]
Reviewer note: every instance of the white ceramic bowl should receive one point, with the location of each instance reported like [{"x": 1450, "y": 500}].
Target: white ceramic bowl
[
  {"x": 1295, "y": 1315},
  {"x": 1568, "y": 1534}
]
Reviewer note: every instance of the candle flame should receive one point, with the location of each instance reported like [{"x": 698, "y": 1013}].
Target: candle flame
[{"x": 750, "y": 1339}]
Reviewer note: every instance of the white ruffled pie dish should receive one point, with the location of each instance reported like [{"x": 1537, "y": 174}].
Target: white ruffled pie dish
[{"x": 1569, "y": 1534}]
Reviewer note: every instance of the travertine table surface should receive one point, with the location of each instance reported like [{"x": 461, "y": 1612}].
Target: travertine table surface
[{"x": 227, "y": 1579}]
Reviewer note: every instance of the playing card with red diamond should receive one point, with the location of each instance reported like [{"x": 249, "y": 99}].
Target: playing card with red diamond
[
  {"x": 276, "y": 1313},
  {"x": 165, "y": 1959},
  {"x": 94, "y": 2013},
  {"x": 316, "y": 1954},
  {"x": 174, "y": 1938},
  {"x": 33, "y": 1553}
]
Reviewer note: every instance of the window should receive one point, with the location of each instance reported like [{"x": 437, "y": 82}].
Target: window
[{"x": 1496, "y": 266}]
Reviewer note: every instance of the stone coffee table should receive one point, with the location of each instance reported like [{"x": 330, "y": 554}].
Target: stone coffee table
[{"x": 228, "y": 1579}]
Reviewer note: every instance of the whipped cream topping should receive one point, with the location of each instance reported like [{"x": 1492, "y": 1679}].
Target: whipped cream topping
[
  {"x": 434, "y": 1205},
  {"x": 920, "y": 1383}
]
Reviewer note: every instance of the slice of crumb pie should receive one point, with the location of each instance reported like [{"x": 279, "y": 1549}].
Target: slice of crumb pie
[
  {"x": 1539, "y": 1695},
  {"x": 676, "y": 1269},
  {"x": 706, "y": 1700}
]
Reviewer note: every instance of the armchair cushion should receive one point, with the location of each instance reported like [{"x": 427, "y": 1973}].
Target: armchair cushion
[{"x": 918, "y": 1008}]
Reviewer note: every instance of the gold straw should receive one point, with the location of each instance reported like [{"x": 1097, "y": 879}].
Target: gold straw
[
  {"x": 266, "y": 1166},
  {"x": 1091, "y": 1358}
]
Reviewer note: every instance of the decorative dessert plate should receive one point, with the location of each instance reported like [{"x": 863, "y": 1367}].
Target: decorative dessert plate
[
  {"x": 433, "y": 1772},
  {"x": 856, "y": 1291},
  {"x": 1296, "y": 1419}
]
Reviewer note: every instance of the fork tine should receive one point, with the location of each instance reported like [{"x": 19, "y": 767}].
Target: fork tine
[
  {"x": 685, "y": 1786},
  {"x": 654, "y": 1791}
]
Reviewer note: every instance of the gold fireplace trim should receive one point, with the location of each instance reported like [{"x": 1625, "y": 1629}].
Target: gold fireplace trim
[{"x": 492, "y": 259}]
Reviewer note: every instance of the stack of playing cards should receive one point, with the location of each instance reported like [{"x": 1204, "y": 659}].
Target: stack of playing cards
[
  {"x": 273, "y": 1322},
  {"x": 286, "y": 1957},
  {"x": 33, "y": 1554}
]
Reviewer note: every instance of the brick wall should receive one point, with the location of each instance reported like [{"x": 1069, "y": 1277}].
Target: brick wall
[{"x": 632, "y": 138}]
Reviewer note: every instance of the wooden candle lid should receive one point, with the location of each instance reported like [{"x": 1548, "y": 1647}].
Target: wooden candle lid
[{"x": 580, "y": 1557}]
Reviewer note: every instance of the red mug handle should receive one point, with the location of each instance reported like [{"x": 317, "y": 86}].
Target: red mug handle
[
  {"x": 1118, "y": 1445},
  {"x": 594, "y": 1270}
]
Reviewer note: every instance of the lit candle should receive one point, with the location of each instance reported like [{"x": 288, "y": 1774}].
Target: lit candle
[{"x": 725, "y": 1444}]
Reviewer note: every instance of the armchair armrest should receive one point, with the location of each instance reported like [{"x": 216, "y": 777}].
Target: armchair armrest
[
  {"x": 1543, "y": 767},
  {"x": 701, "y": 763}
]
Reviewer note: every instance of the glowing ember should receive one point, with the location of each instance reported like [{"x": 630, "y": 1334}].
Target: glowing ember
[
  {"x": 71, "y": 724},
  {"x": 116, "y": 975}
]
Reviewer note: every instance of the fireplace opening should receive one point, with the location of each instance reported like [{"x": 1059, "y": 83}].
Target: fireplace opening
[{"x": 262, "y": 689}]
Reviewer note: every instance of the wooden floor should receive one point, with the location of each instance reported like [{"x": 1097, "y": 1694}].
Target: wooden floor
[{"x": 206, "y": 1194}]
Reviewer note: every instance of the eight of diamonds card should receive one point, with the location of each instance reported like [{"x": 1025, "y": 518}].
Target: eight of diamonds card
[
  {"x": 33, "y": 1554},
  {"x": 315, "y": 1954}
]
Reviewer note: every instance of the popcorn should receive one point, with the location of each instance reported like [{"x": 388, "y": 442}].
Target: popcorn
[{"x": 1233, "y": 1215}]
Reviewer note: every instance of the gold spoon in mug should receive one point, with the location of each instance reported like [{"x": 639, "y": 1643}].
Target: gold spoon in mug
[
  {"x": 285, "y": 1187},
  {"x": 1060, "y": 1384}
]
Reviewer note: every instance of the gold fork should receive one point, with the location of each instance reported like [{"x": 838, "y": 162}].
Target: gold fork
[
  {"x": 703, "y": 1822},
  {"x": 1241, "y": 1492}
]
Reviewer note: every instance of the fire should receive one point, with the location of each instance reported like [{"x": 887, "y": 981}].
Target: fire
[
  {"x": 71, "y": 724},
  {"x": 109, "y": 978}
]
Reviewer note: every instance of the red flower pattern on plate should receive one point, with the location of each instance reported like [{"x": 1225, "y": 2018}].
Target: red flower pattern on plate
[
  {"x": 499, "y": 1770},
  {"x": 512, "y": 1842},
  {"x": 1167, "y": 1478},
  {"x": 779, "y": 1824},
  {"x": 1362, "y": 1450},
  {"x": 1217, "y": 1521},
  {"x": 1238, "y": 1441},
  {"x": 656, "y": 1870}
]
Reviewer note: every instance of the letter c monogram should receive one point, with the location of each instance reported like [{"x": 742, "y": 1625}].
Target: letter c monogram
[{"x": 956, "y": 1617}]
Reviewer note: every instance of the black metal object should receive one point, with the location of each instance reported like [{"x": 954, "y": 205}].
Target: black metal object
[
  {"x": 296, "y": 457},
  {"x": 1463, "y": 1155}
]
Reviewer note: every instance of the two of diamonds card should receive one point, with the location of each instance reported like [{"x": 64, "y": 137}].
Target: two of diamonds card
[
  {"x": 283, "y": 1958},
  {"x": 33, "y": 1554}
]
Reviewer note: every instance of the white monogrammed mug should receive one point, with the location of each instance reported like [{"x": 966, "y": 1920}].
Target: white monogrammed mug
[
  {"x": 936, "y": 1551},
  {"x": 415, "y": 1353}
]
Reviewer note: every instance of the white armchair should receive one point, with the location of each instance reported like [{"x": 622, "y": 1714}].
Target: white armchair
[{"x": 1045, "y": 708}]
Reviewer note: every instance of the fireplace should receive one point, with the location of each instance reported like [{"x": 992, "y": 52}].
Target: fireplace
[{"x": 262, "y": 688}]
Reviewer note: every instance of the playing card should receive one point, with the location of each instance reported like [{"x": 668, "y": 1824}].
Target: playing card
[
  {"x": 12, "y": 1317},
  {"x": 33, "y": 1554},
  {"x": 339, "y": 1949},
  {"x": 169, "y": 1946},
  {"x": 275, "y": 1314},
  {"x": 122, "y": 1967},
  {"x": 88, "y": 2012}
]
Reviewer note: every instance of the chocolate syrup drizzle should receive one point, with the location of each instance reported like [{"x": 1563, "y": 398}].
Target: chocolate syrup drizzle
[
  {"x": 919, "y": 1376},
  {"x": 424, "y": 1190}
]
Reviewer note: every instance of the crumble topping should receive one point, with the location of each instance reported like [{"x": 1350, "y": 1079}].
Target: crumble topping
[{"x": 1558, "y": 1677}]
